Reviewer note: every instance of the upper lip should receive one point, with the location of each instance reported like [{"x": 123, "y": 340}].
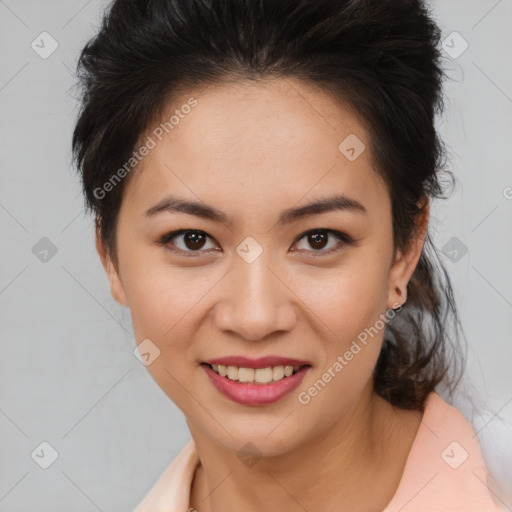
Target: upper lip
[{"x": 260, "y": 362}]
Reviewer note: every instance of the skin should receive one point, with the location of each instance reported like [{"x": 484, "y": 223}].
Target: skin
[{"x": 253, "y": 150}]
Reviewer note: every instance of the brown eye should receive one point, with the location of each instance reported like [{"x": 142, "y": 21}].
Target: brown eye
[
  {"x": 186, "y": 241},
  {"x": 318, "y": 239},
  {"x": 194, "y": 240}
]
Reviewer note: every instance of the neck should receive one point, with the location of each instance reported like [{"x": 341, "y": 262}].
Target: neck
[{"x": 365, "y": 450}]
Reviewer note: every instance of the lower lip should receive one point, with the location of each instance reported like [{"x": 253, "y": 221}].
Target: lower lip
[{"x": 255, "y": 394}]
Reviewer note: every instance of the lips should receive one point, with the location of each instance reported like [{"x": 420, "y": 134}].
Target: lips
[
  {"x": 254, "y": 382},
  {"x": 255, "y": 394}
]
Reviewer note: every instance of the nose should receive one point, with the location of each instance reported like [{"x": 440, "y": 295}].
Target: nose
[{"x": 255, "y": 302}]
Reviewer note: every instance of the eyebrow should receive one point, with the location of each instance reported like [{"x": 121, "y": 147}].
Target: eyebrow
[{"x": 173, "y": 204}]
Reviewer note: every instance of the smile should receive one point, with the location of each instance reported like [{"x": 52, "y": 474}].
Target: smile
[{"x": 255, "y": 386}]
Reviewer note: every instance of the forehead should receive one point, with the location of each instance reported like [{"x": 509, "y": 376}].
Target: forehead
[{"x": 275, "y": 141}]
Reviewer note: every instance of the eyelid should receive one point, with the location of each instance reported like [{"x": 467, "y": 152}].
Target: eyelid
[{"x": 345, "y": 239}]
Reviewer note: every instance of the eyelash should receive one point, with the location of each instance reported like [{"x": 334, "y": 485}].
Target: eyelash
[{"x": 347, "y": 240}]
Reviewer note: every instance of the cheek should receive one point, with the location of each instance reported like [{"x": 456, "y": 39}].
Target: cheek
[
  {"x": 163, "y": 303},
  {"x": 160, "y": 295},
  {"x": 352, "y": 310},
  {"x": 349, "y": 306},
  {"x": 346, "y": 299}
]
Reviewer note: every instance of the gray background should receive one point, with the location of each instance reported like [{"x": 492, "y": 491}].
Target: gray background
[{"x": 68, "y": 373}]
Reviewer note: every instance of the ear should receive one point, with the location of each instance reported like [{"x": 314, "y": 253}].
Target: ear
[
  {"x": 116, "y": 286},
  {"x": 406, "y": 261}
]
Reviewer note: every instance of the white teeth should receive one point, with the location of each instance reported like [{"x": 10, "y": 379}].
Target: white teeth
[
  {"x": 244, "y": 374},
  {"x": 252, "y": 375},
  {"x": 277, "y": 372},
  {"x": 232, "y": 372},
  {"x": 263, "y": 375}
]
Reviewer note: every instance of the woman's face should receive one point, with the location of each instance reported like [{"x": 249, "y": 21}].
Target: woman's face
[{"x": 255, "y": 283}]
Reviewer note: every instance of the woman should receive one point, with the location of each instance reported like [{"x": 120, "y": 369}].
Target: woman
[{"x": 261, "y": 174}]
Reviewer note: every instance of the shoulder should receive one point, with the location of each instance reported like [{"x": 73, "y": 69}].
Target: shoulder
[
  {"x": 172, "y": 489},
  {"x": 445, "y": 470}
]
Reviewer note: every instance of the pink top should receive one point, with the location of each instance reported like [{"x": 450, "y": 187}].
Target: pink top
[{"x": 444, "y": 471}]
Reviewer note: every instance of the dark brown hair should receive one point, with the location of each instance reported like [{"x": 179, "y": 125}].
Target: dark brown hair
[{"x": 380, "y": 57}]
